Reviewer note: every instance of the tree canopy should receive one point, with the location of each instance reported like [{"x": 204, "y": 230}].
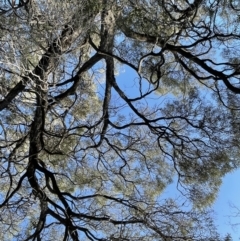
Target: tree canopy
[{"x": 104, "y": 104}]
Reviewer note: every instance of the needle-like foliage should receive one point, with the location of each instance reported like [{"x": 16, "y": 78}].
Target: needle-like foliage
[{"x": 106, "y": 103}]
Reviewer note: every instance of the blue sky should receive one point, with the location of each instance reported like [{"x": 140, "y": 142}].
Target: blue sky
[{"x": 228, "y": 197}]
